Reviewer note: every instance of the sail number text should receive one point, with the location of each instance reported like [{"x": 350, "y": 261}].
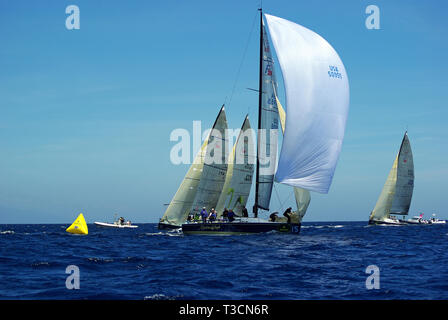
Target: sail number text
[{"x": 334, "y": 72}]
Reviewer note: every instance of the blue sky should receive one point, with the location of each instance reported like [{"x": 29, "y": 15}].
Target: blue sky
[{"x": 86, "y": 115}]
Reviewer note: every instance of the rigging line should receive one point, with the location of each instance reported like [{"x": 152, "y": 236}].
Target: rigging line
[
  {"x": 242, "y": 60},
  {"x": 278, "y": 197},
  {"x": 281, "y": 207}
]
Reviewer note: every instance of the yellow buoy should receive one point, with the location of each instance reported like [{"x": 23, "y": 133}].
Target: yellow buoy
[{"x": 79, "y": 226}]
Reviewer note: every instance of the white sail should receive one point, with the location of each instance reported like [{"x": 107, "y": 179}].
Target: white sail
[
  {"x": 268, "y": 135},
  {"x": 405, "y": 179},
  {"x": 182, "y": 202},
  {"x": 396, "y": 194},
  {"x": 384, "y": 202},
  {"x": 317, "y": 101},
  {"x": 180, "y": 205},
  {"x": 215, "y": 167},
  {"x": 303, "y": 197},
  {"x": 240, "y": 171}
]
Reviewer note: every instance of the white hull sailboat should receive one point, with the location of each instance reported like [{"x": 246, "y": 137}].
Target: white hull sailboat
[
  {"x": 317, "y": 100},
  {"x": 395, "y": 198}
]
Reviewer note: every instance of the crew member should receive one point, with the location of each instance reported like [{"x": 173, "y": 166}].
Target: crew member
[
  {"x": 204, "y": 215},
  {"x": 231, "y": 215},
  {"x": 196, "y": 217},
  {"x": 287, "y": 214},
  {"x": 225, "y": 215},
  {"x": 212, "y": 216}
]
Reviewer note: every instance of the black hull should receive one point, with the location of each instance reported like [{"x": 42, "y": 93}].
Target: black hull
[
  {"x": 165, "y": 226},
  {"x": 229, "y": 228}
]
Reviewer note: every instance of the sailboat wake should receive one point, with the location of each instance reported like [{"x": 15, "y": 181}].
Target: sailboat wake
[{"x": 170, "y": 233}]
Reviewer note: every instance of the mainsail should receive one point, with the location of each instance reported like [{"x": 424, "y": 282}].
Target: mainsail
[
  {"x": 215, "y": 167},
  {"x": 182, "y": 202},
  {"x": 396, "y": 195},
  {"x": 267, "y": 127},
  {"x": 317, "y": 101},
  {"x": 239, "y": 173},
  {"x": 405, "y": 179}
]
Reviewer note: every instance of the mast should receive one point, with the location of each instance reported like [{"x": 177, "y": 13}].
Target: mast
[{"x": 260, "y": 93}]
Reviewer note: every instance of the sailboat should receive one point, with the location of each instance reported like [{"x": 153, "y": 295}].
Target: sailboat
[
  {"x": 317, "y": 100},
  {"x": 203, "y": 183},
  {"x": 395, "y": 198}
]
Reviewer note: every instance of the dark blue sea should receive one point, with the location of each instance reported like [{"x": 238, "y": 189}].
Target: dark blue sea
[{"x": 326, "y": 261}]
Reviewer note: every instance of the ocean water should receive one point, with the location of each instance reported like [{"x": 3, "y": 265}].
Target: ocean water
[{"x": 326, "y": 261}]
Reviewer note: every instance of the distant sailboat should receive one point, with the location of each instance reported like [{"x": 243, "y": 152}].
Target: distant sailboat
[
  {"x": 396, "y": 196},
  {"x": 317, "y": 100},
  {"x": 203, "y": 182}
]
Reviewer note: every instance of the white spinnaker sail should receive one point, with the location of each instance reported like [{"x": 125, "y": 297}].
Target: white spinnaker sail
[
  {"x": 303, "y": 197},
  {"x": 396, "y": 194},
  {"x": 268, "y": 135},
  {"x": 405, "y": 179},
  {"x": 180, "y": 205},
  {"x": 215, "y": 167},
  {"x": 239, "y": 173},
  {"x": 317, "y": 101}
]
